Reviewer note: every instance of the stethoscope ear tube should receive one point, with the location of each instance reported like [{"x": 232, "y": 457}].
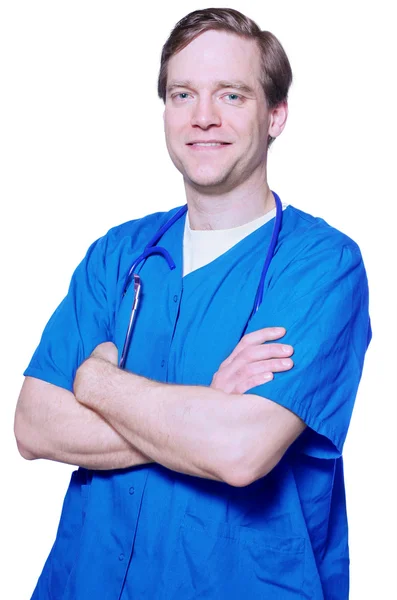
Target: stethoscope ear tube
[
  {"x": 270, "y": 252},
  {"x": 150, "y": 249},
  {"x": 269, "y": 256},
  {"x": 147, "y": 252}
]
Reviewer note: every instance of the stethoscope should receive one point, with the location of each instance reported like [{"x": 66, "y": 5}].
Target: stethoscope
[{"x": 151, "y": 249}]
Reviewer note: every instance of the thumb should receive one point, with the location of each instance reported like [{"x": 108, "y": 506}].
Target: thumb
[{"x": 106, "y": 351}]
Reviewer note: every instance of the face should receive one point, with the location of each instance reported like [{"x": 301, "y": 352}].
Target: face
[{"x": 216, "y": 118}]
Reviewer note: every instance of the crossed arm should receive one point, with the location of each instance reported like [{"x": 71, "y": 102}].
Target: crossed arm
[{"x": 116, "y": 419}]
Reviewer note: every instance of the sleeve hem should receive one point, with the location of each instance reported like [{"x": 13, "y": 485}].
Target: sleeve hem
[
  {"x": 316, "y": 424},
  {"x": 54, "y": 378}
]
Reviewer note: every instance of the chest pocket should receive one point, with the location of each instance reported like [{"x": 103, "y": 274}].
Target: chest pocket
[{"x": 221, "y": 560}]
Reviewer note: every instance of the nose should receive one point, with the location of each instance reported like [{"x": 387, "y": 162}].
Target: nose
[{"x": 205, "y": 114}]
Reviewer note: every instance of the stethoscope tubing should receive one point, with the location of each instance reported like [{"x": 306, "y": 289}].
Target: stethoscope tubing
[{"x": 151, "y": 249}]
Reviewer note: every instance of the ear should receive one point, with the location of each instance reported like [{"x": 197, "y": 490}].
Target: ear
[{"x": 278, "y": 119}]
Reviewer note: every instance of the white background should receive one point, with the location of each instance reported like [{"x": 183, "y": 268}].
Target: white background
[{"x": 82, "y": 150}]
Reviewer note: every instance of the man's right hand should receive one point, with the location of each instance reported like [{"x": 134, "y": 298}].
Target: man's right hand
[{"x": 253, "y": 362}]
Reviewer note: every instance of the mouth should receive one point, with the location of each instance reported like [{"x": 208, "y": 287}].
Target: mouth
[{"x": 210, "y": 145}]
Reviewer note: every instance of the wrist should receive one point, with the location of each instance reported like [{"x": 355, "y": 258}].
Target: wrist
[{"x": 98, "y": 381}]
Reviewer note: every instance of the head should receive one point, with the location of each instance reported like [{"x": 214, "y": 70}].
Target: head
[{"x": 206, "y": 52}]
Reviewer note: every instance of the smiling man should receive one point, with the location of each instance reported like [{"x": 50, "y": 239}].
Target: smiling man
[
  {"x": 217, "y": 124},
  {"x": 211, "y": 465}
]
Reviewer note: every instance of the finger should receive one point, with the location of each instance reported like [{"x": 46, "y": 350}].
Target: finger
[
  {"x": 264, "y": 352},
  {"x": 264, "y": 335},
  {"x": 256, "y": 338},
  {"x": 247, "y": 370},
  {"x": 254, "y": 354},
  {"x": 274, "y": 365},
  {"x": 251, "y": 382}
]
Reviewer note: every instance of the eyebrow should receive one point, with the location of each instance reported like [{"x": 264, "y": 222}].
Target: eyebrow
[{"x": 236, "y": 85}]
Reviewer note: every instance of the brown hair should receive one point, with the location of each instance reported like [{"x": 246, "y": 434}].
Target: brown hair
[{"x": 276, "y": 69}]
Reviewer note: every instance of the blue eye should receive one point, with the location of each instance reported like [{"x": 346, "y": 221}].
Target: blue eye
[{"x": 234, "y": 98}]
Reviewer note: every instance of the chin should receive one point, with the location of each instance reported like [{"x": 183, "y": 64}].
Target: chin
[
  {"x": 215, "y": 181},
  {"x": 209, "y": 186}
]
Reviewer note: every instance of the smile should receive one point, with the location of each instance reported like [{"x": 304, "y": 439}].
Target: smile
[{"x": 208, "y": 145}]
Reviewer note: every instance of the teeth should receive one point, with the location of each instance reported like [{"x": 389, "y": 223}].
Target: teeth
[{"x": 207, "y": 144}]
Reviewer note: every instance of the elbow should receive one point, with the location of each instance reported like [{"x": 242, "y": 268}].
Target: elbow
[
  {"x": 24, "y": 451},
  {"x": 247, "y": 466},
  {"x": 238, "y": 478},
  {"x": 242, "y": 474},
  {"x": 238, "y": 470},
  {"x": 22, "y": 440}
]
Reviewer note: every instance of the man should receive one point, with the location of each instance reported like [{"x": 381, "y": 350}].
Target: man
[{"x": 188, "y": 486}]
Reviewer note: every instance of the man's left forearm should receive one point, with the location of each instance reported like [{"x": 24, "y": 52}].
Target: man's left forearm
[{"x": 191, "y": 429}]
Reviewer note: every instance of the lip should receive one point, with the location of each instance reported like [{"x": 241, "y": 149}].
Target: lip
[
  {"x": 197, "y": 145},
  {"x": 212, "y": 141}
]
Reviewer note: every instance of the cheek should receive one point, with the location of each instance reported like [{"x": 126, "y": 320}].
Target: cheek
[
  {"x": 246, "y": 126},
  {"x": 173, "y": 129},
  {"x": 174, "y": 122},
  {"x": 255, "y": 132}
]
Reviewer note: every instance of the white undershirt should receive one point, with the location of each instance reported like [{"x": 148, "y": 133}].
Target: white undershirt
[{"x": 201, "y": 247}]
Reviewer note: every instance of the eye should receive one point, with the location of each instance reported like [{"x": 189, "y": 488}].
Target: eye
[
  {"x": 233, "y": 98},
  {"x": 180, "y": 96}
]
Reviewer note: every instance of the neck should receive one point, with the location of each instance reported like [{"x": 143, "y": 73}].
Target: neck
[{"x": 230, "y": 209}]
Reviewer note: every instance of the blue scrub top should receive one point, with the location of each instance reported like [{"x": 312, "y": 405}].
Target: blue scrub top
[{"x": 151, "y": 533}]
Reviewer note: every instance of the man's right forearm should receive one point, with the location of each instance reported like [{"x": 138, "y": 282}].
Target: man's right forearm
[{"x": 51, "y": 424}]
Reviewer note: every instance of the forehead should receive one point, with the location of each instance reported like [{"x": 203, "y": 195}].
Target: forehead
[{"x": 217, "y": 56}]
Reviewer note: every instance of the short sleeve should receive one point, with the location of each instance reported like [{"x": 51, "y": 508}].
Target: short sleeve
[
  {"x": 321, "y": 298},
  {"x": 78, "y": 325}
]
